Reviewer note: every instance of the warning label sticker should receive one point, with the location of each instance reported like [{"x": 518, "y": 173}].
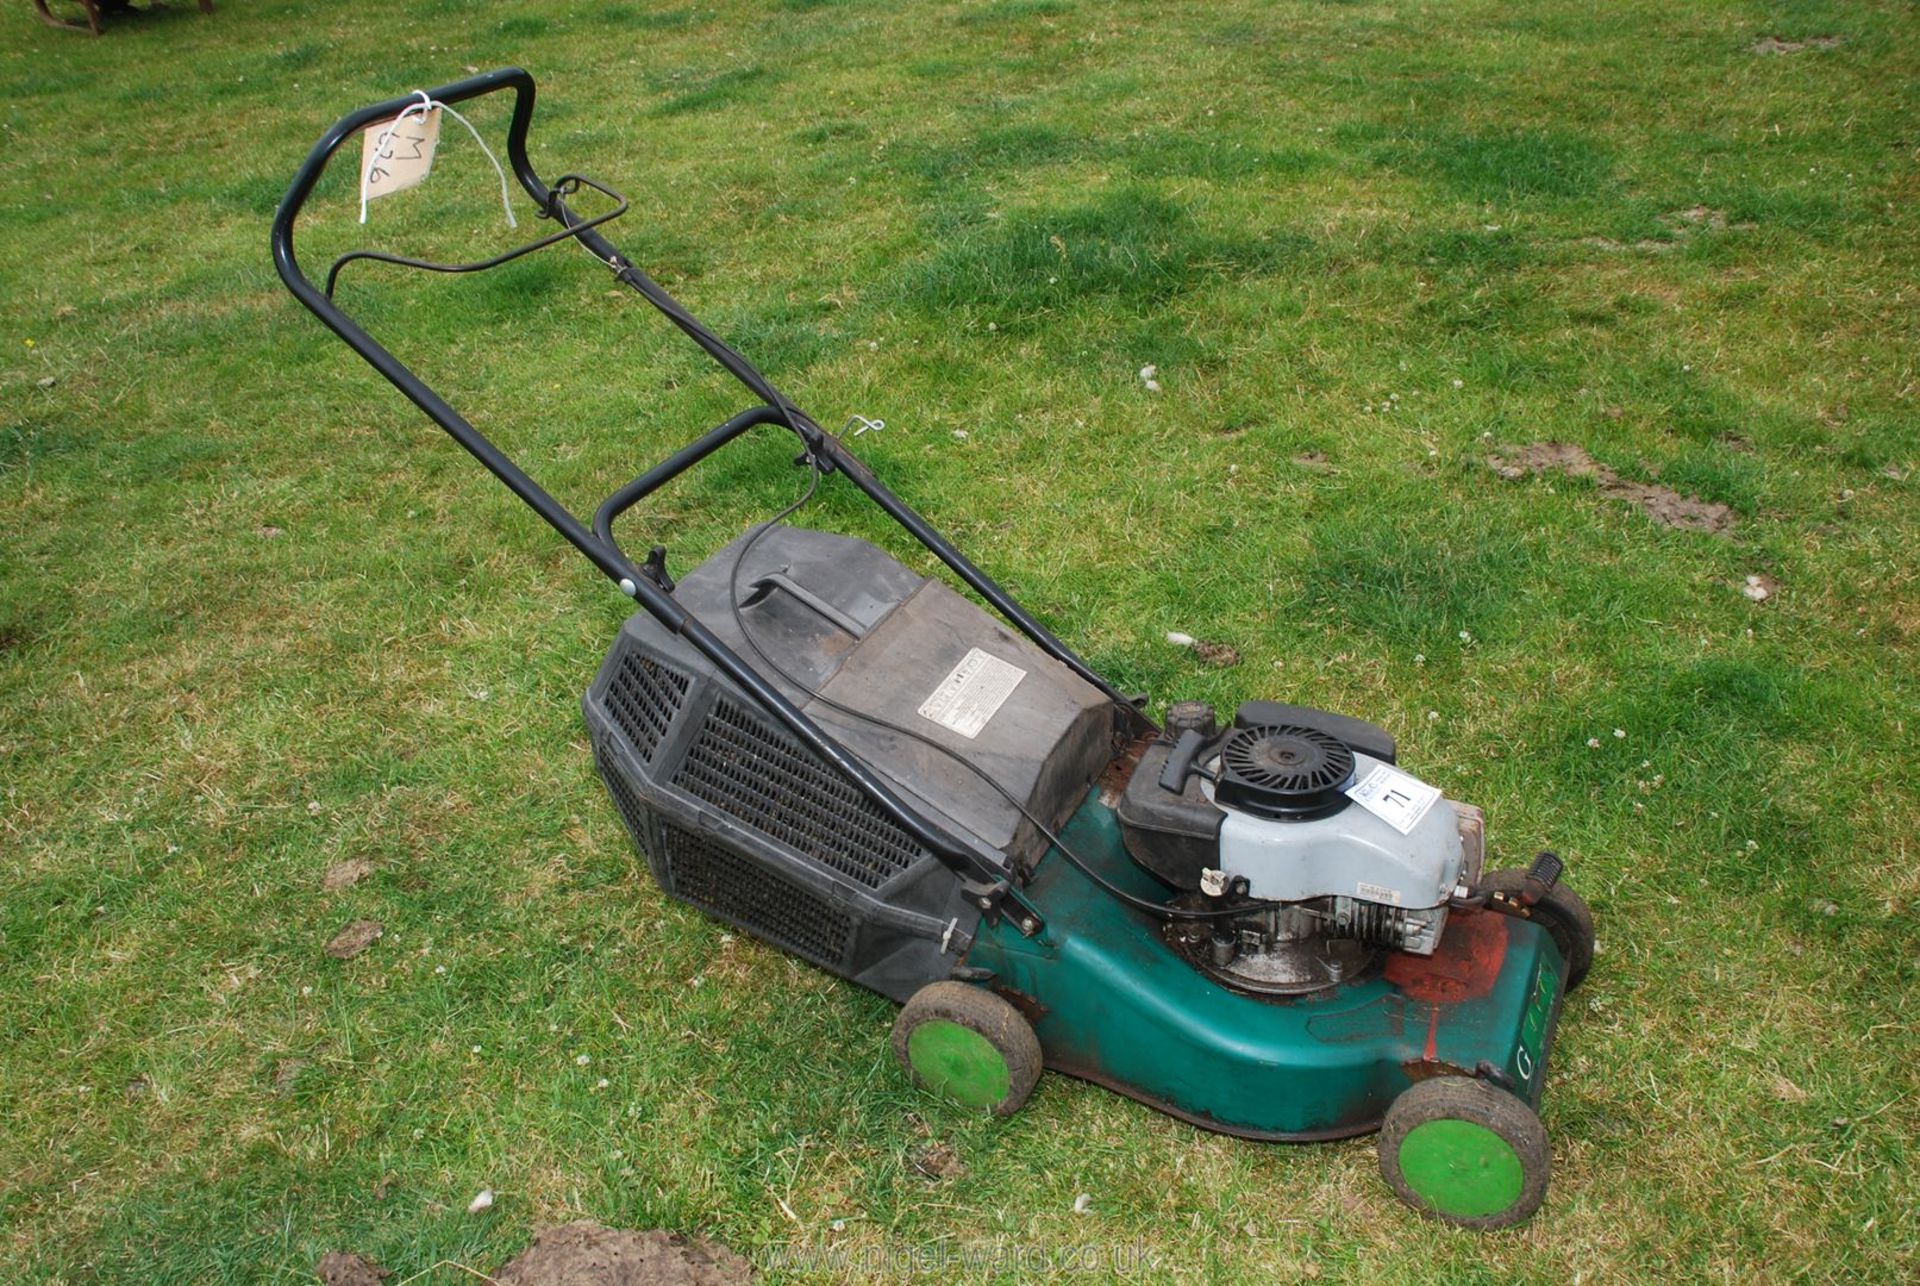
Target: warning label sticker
[
  {"x": 973, "y": 693},
  {"x": 1396, "y": 798}
]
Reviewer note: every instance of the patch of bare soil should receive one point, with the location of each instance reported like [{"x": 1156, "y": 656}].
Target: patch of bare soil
[
  {"x": 1774, "y": 46},
  {"x": 354, "y": 939},
  {"x": 286, "y": 1074},
  {"x": 1696, "y": 216},
  {"x": 344, "y": 875},
  {"x": 1647, "y": 244},
  {"x": 1681, "y": 224},
  {"x": 341, "y": 1268},
  {"x": 1223, "y": 655},
  {"x": 585, "y": 1254},
  {"x": 1786, "y": 1091},
  {"x": 938, "y": 1161},
  {"x": 1663, "y": 504}
]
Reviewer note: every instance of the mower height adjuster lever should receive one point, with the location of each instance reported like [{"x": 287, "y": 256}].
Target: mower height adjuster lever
[{"x": 655, "y": 568}]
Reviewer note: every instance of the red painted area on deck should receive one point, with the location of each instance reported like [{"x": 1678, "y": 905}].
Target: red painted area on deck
[
  {"x": 1463, "y": 967},
  {"x": 1432, "y": 1052}
]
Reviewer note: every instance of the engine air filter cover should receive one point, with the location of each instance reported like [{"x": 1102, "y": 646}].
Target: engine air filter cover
[{"x": 1285, "y": 772}]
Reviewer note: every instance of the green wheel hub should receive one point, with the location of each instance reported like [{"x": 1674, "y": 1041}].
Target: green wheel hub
[
  {"x": 1461, "y": 1168},
  {"x": 1465, "y": 1152},
  {"x": 969, "y": 1046},
  {"x": 959, "y": 1063}
]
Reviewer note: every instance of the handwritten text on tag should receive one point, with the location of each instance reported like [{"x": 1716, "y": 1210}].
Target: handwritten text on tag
[{"x": 395, "y": 155}]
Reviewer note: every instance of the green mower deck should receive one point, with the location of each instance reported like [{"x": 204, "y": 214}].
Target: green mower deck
[{"x": 1112, "y": 1003}]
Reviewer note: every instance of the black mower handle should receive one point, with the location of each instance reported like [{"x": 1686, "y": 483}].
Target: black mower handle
[
  {"x": 460, "y": 91},
  {"x": 985, "y": 879},
  {"x": 824, "y": 451},
  {"x": 317, "y": 301}
]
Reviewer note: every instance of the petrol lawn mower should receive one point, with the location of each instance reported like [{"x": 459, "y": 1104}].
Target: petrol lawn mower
[{"x": 1259, "y": 924}]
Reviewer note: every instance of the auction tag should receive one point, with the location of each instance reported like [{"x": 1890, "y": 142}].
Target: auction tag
[
  {"x": 1396, "y": 798},
  {"x": 395, "y": 155},
  {"x": 972, "y": 693}
]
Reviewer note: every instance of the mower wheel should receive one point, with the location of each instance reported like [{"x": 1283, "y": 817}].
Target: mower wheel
[
  {"x": 1561, "y": 913},
  {"x": 966, "y": 1044},
  {"x": 1461, "y": 1151}
]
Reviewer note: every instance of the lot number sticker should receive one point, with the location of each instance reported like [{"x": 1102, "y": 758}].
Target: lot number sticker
[{"x": 1396, "y": 798}]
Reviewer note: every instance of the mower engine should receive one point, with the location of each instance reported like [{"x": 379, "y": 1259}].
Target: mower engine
[{"x": 1302, "y": 817}]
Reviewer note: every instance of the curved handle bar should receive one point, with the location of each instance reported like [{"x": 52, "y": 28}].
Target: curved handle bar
[
  {"x": 564, "y": 186},
  {"x": 608, "y": 560},
  {"x": 678, "y": 463},
  {"x": 350, "y": 125}
]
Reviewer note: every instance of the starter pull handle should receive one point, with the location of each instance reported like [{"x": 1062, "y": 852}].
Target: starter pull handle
[{"x": 1173, "y": 778}]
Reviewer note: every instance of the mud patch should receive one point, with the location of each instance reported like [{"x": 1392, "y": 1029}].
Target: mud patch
[
  {"x": 585, "y": 1254},
  {"x": 1773, "y": 46},
  {"x": 1695, "y": 216},
  {"x": 1663, "y": 504},
  {"x": 344, "y": 875},
  {"x": 1786, "y": 1091},
  {"x": 1646, "y": 245},
  {"x": 1316, "y": 460},
  {"x": 354, "y": 939},
  {"x": 938, "y": 1161},
  {"x": 342, "y": 1268},
  {"x": 1681, "y": 226},
  {"x": 1223, "y": 655}
]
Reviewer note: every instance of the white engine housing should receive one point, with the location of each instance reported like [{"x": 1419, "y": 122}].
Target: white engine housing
[{"x": 1357, "y": 858}]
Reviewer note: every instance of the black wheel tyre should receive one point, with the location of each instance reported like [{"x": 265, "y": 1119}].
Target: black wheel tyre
[
  {"x": 1561, "y": 913},
  {"x": 968, "y": 1045},
  {"x": 1461, "y": 1151}
]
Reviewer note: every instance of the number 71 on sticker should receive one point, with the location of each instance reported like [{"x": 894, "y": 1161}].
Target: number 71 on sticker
[{"x": 1396, "y": 798}]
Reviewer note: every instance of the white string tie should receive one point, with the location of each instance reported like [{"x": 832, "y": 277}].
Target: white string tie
[{"x": 426, "y": 104}]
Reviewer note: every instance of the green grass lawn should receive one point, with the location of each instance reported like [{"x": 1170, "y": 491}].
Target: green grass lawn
[{"x": 258, "y": 618}]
